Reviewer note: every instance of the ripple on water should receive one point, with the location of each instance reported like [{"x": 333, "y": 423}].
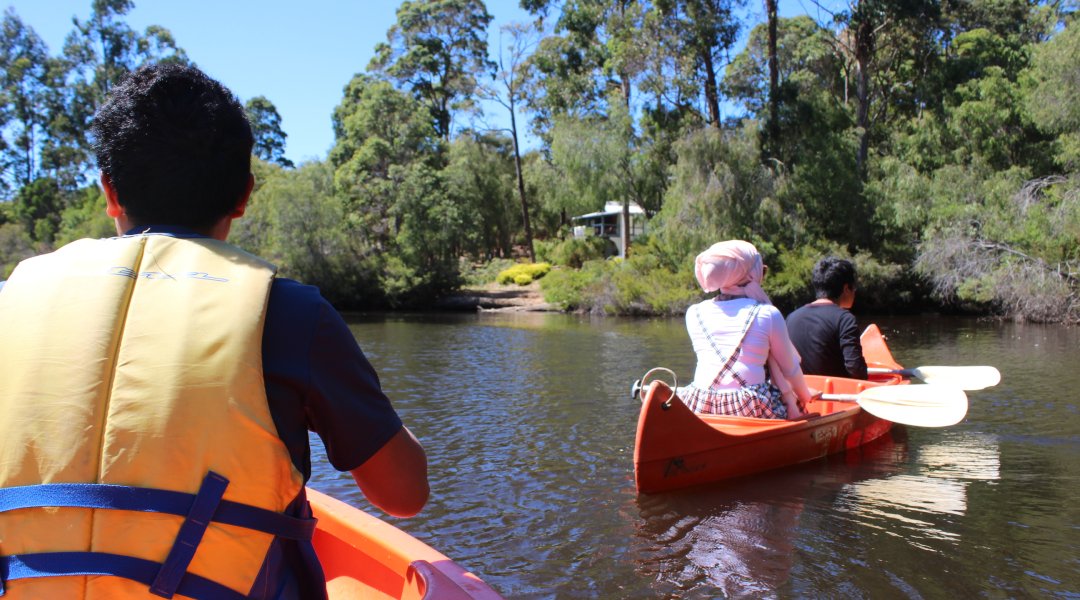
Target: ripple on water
[{"x": 529, "y": 430}]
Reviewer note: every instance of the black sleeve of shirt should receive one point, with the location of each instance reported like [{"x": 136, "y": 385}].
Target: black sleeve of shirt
[
  {"x": 347, "y": 407},
  {"x": 851, "y": 346},
  {"x": 318, "y": 379}
]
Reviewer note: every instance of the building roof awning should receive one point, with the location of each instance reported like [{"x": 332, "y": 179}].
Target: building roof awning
[{"x": 610, "y": 210}]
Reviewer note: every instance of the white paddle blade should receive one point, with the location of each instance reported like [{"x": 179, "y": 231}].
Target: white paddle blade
[
  {"x": 918, "y": 405},
  {"x": 915, "y": 395},
  {"x": 965, "y": 378}
]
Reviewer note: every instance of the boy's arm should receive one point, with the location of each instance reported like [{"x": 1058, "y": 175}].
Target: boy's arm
[
  {"x": 852, "y": 347},
  {"x": 395, "y": 478}
]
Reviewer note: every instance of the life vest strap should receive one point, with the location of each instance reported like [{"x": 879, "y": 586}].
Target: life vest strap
[
  {"x": 122, "y": 497},
  {"x": 190, "y": 535},
  {"x": 63, "y": 564}
]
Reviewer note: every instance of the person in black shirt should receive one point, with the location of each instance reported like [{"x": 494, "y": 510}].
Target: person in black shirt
[{"x": 825, "y": 332}]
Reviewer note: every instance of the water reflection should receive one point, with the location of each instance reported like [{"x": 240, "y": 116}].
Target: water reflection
[
  {"x": 918, "y": 505},
  {"x": 529, "y": 429},
  {"x": 740, "y": 538}
]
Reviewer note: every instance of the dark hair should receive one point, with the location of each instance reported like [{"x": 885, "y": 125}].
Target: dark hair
[
  {"x": 829, "y": 276},
  {"x": 176, "y": 145}
]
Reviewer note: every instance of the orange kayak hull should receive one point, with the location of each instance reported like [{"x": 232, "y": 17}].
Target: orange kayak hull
[
  {"x": 365, "y": 557},
  {"x": 676, "y": 448}
]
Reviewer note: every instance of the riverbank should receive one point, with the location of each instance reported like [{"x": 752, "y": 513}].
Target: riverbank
[{"x": 494, "y": 297}]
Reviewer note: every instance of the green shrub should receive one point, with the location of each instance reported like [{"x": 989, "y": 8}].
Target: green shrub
[
  {"x": 522, "y": 279},
  {"x": 575, "y": 252},
  {"x": 530, "y": 270},
  {"x": 640, "y": 285},
  {"x": 484, "y": 273},
  {"x": 15, "y": 245},
  {"x": 569, "y": 289},
  {"x": 543, "y": 249},
  {"x": 881, "y": 285},
  {"x": 645, "y": 283},
  {"x": 788, "y": 280}
]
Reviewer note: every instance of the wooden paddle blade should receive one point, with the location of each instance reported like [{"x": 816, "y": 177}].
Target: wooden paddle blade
[
  {"x": 965, "y": 378},
  {"x": 919, "y": 405}
]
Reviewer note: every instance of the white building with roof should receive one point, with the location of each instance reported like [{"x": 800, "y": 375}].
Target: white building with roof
[{"x": 609, "y": 223}]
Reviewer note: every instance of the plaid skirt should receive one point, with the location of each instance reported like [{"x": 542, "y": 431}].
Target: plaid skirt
[{"x": 762, "y": 400}]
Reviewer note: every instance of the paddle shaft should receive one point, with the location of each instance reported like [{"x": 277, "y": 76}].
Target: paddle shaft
[
  {"x": 905, "y": 373},
  {"x": 856, "y": 398}
]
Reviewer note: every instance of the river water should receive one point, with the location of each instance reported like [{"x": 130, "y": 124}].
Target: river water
[{"x": 529, "y": 428}]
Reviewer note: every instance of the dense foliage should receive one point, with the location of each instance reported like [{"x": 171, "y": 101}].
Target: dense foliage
[{"x": 935, "y": 143}]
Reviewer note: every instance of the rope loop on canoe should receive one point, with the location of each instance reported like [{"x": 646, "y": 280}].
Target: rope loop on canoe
[{"x": 639, "y": 387}]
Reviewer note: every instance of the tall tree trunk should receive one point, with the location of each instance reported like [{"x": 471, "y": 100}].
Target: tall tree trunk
[
  {"x": 626, "y": 227},
  {"x": 521, "y": 187},
  {"x": 774, "y": 80},
  {"x": 626, "y": 200},
  {"x": 864, "y": 51},
  {"x": 712, "y": 95},
  {"x": 28, "y": 156}
]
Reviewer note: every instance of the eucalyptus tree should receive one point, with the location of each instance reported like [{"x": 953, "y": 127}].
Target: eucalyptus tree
[
  {"x": 772, "y": 18},
  {"x": 597, "y": 160},
  {"x": 806, "y": 61},
  {"x": 266, "y": 127},
  {"x": 980, "y": 184},
  {"x": 480, "y": 179},
  {"x": 97, "y": 54},
  {"x": 560, "y": 80},
  {"x": 1018, "y": 22},
  {"x": 667, "y": 52},
  {"x": 698, "y": 36},
  {"x": 814, "y": 144},
  {"x": 380, "y": 133},
  {"x": 876, "y": 36},
  {"x": 829, "y": 93},
  {"x": 24, "y": 86},
  {"x": 593, "y": 62},
  {"x": 104, "y": 48},
  {"x": 435, "y": 50},
  {"x": 388, "y": 161},
  {"x": 971, "y": 107},
  {"x": 507, "y": 88},
  {"x": 720, "y": 190},
  {"x": 598, "y": 46},
  {"x": 1053, "y": 98}
]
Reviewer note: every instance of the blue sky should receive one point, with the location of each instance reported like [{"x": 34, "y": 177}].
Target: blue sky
[{"x": 298, "y": 53}]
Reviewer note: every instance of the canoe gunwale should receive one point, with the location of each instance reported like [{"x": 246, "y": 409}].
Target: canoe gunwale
[{"x": 366, "y": 557}]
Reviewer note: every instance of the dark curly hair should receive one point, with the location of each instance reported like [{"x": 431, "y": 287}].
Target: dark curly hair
[
  {"x": 829, "y": 276},
  {"x": 176, "y": 146}
]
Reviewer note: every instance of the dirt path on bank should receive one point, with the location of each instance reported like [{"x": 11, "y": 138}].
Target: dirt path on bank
[{"x": 495, "y": 297}]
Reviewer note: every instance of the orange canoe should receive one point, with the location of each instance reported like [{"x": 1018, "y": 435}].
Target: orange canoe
[
  {"x": 365, "y": 557},
  {"x": 676, "y": 448}
]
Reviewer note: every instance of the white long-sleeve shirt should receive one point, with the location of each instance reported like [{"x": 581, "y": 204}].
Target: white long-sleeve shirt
[{"x": 724, "y": 320}]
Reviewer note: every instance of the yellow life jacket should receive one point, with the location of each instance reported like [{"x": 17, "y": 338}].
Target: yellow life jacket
[{"x": 131, "y": 381}]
